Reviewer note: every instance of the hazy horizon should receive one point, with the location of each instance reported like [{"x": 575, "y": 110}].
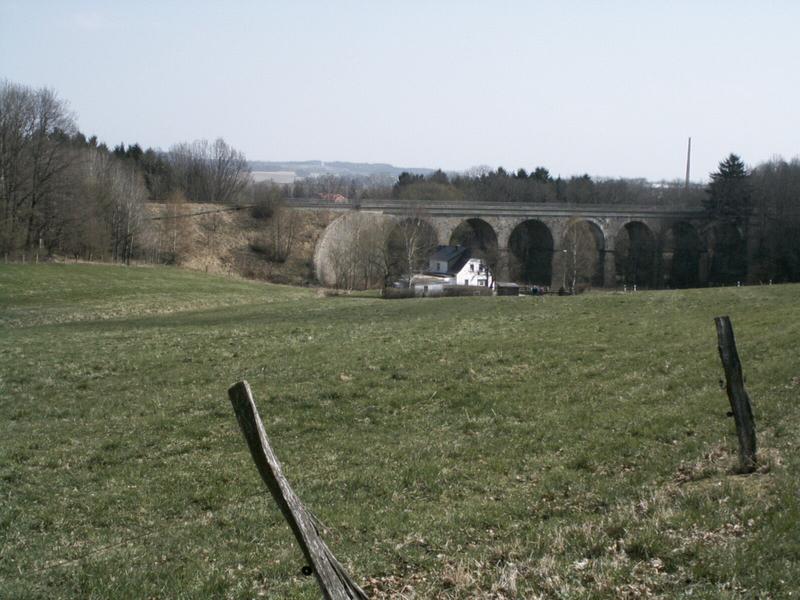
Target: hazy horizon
[{"x": 612, "y": 89}]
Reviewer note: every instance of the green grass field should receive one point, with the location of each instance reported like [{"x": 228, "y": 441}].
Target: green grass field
[{"x": 455, "y": 448}]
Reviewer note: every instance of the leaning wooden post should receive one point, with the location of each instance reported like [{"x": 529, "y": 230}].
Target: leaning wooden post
[
  {"x": 737, "y": 395},
  {"x": 333, "y": 580}
]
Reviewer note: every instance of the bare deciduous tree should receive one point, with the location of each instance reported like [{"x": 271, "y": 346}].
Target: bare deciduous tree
[
  {"x": 230, "y": 172},
  {"x": 209, "y": 172},
  {"x": 361, "y": 259},
  {"x": 175, "y": 228},
  {"x": 411, "y": 243},
  {"x": 283, "y": 228},
  {"x": 282, "y": 222},
  {"x": 35, "y": 126},
  {"x": 582, "y": 254}
]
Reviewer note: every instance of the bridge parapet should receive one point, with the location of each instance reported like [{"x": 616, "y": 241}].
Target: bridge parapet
[{"x": 515, "y": 209}]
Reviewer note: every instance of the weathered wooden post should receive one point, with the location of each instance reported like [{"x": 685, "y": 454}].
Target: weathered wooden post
[
  {"x": 333, "y": 580},
  {"x": 737, "y": 395}
]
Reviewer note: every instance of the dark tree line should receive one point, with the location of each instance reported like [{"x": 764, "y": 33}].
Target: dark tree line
[
  {"x": 761, "y": 206},
  {"x": 204, "y": 172},
  {"x": 155, "y": 169},
  {"x": 487, "y": 185}
]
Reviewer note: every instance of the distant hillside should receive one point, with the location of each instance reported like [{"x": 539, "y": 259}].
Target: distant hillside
[{"x": 316, "y": 168}]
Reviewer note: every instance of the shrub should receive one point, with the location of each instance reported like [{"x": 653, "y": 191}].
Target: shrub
[{"x": 263, "y": 209}]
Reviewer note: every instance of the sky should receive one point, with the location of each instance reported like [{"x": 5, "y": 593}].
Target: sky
[{"x": 609, "y": 88}]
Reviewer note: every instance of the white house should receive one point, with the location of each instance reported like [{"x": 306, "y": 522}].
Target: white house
[{"x": 454, "y": 265}]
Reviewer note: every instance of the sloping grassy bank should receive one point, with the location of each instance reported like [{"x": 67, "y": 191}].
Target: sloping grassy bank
[{"x": 456, "y": 447}]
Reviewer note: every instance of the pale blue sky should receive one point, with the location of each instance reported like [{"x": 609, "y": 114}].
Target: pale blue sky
[{"x": 608, "y": 88}]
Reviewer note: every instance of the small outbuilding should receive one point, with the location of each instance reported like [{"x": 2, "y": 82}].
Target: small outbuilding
[{"x": 507, "y": 289}]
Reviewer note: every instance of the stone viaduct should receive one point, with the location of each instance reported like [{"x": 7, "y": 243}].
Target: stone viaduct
[{"x": 623, "y": 235}]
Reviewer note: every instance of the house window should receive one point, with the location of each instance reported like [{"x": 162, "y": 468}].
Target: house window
[{"x": 471, "y": 267}]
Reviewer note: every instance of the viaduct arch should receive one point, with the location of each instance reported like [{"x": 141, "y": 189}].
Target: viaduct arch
[{"x": 559, "y": 244}]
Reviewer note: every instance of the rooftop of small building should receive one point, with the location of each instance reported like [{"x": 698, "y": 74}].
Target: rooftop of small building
[{"x": 448, "y": 253}]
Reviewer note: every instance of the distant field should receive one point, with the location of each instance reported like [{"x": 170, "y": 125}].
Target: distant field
[
  {"x": 456, "y": 448},
  {"x": 275, "y": 176}
]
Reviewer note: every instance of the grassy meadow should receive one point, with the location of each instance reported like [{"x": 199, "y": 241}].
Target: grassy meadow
[{"x": 455, "y": 448}]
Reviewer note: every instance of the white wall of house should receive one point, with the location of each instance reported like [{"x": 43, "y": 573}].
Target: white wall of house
[
  {"x": 474, "y": 272},
  {"x": 429, "y": 279}
]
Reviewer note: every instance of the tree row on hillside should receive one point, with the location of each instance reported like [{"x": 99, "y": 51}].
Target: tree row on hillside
[
  {"x": 61, "y": 192},
  {"x": 487, "y": 185}
]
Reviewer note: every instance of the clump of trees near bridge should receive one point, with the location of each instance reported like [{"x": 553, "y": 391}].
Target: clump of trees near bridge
[{"x": 763, "y": 205}]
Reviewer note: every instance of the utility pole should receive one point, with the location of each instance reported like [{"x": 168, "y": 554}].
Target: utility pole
[{"x": 688, "y": 161}]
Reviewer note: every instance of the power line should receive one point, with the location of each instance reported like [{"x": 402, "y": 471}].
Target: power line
[{"x": 202, "y": 212}]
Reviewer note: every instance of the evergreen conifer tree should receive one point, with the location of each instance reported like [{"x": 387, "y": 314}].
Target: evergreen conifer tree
[{"x": 729, "y": 193}]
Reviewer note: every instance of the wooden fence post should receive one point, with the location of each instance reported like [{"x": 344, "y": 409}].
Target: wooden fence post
[
  {"x": 737, "y": 395},
  {"x": 333, "y": 580}
]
